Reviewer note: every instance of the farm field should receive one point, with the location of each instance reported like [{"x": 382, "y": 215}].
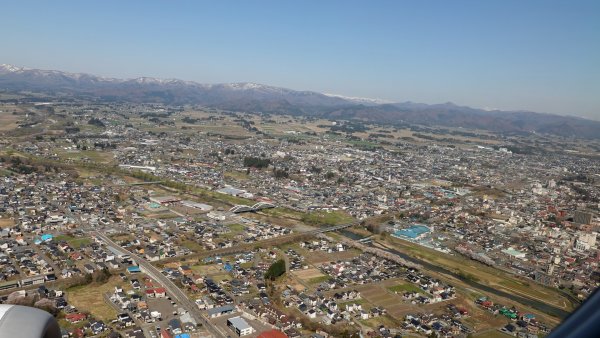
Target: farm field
[
  {"x": 8, "y": 121},
  {"x": 309, "y": 274}
]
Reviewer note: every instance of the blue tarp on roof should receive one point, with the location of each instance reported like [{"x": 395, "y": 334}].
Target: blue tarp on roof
[{"x": 133, "y": 269}]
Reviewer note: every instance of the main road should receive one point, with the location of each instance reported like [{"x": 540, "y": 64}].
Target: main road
[{"x": 174, "y": 291}]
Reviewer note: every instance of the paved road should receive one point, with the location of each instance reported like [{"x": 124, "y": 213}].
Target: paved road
[
  {"x": 174, "y": 291},
  {"x": 178, "y": 295}
]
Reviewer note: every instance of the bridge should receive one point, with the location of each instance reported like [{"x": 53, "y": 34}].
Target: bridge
[
  {"x": 365, "y": 240},
  {"x": 332, "y": 228},
  {"x": 237, "y": 209}
]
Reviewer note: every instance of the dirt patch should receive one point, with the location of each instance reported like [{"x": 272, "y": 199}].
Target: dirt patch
[
  {"x": 319, "y": 257},
  {"x": 207, "y": 269},
  {"x": 308, "y": 274},
  {"x": 6, "y": 222},
  {"x": 90, "y": 298}
]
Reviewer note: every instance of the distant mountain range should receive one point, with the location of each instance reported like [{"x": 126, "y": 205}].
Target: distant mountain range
[{"x": 252, "y": 97}]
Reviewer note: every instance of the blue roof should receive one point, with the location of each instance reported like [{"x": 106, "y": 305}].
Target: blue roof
[
  {"x": 47, "y": 237},
  {"x": 412, "y": 232},
  {"x": 183, "y": 335},
  {"x": 133, "y": 269}
]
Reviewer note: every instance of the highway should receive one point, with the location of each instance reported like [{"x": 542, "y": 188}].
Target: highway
[{"x": 172, "y": 289}]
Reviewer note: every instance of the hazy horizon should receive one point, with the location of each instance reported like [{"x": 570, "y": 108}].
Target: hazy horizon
[{"x": 536, "y": 56}]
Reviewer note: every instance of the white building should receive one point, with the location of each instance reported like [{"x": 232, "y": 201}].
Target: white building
[{"x": 240, "y": 326}]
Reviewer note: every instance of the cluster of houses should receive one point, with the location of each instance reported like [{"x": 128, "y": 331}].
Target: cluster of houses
[
  {"x": 457, "y": 189},
  {"x": 323, "y": 245},
  {"x": 522, "y": 323},
  {"x": 430, "y": 324},
  {"x": 341, "y": 306},
  {"x": 296, "y": 261}
]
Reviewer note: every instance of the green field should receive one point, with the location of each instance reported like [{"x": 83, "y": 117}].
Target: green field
[
  {"x": 75, "y": 242},
  {"x": 327, "y": 218},
  {"x": 318, "y": 280},
  {"x": 407, "y": 287}
]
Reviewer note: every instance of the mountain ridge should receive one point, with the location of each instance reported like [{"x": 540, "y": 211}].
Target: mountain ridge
[{"x": 254, "y": 97}]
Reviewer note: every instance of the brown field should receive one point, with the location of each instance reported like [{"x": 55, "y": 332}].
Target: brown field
[
  {"x": 8, "y": 121},
  {"x": 6, "y": 222},
  {"x": 308, "y": 274},
  {"x": 378, "y": 295},
  {"x": 319, "y": 257},
  {"x": 204, "y": 270},
  {"x": 291, "y": 280},
  {"x": 90, "y": 298}
]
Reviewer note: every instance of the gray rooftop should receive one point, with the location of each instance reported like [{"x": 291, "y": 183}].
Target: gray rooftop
[{"x": 239, "y": 323}]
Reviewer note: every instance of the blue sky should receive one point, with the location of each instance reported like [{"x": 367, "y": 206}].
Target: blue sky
[{"x": 522, "y": 54}]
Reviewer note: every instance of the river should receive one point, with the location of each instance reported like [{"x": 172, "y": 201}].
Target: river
[{"x": 536, "y": 304}]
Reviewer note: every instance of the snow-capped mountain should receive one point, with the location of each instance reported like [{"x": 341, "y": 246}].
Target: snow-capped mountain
[
  {"x": 359, "y": 100},
  {"x": 253, "y": 97}
]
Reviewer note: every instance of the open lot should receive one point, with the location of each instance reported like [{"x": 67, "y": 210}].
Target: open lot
[
  {"x": 90, "y": 298},
  {"x": 378, "y": 295},
  {"x": 75, "y": 242},
  {"x": 8, "y": 121},
  {"x": 309, "y": 274},
  {"x": 6, "y": 222},
  {"x": 319, "y": 257}
]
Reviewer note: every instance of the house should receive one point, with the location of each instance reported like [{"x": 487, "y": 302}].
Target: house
[
  {"x": 165, "y": 334},
  {"x": 509, "y": 329},
  {"x": 160, "y": 292},
  {"x": 75, "y": 317},
  {"x": 98, "y": 327},
  {"x": 220, "y": 311},
  {"x": 240, "y": 326},
  {"x": 175, "y": 326},
  {"x": 364, "y": 314},
  {"x": 133, "y": 269},
  {"x": 135, "y": 332},
  {"x": 272, "y": 334},
  {"x": 88, "y": 268}
]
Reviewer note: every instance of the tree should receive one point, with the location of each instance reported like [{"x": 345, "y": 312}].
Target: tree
[
  {"x": 280, "y": 173},
  {"x": 256, "y": 162},
  {"x": 275, "y": 270}
]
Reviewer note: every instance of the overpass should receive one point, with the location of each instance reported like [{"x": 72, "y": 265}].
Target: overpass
[
  {"x": 237, "y": 209},
  {"x": 171, "y": 288}
]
